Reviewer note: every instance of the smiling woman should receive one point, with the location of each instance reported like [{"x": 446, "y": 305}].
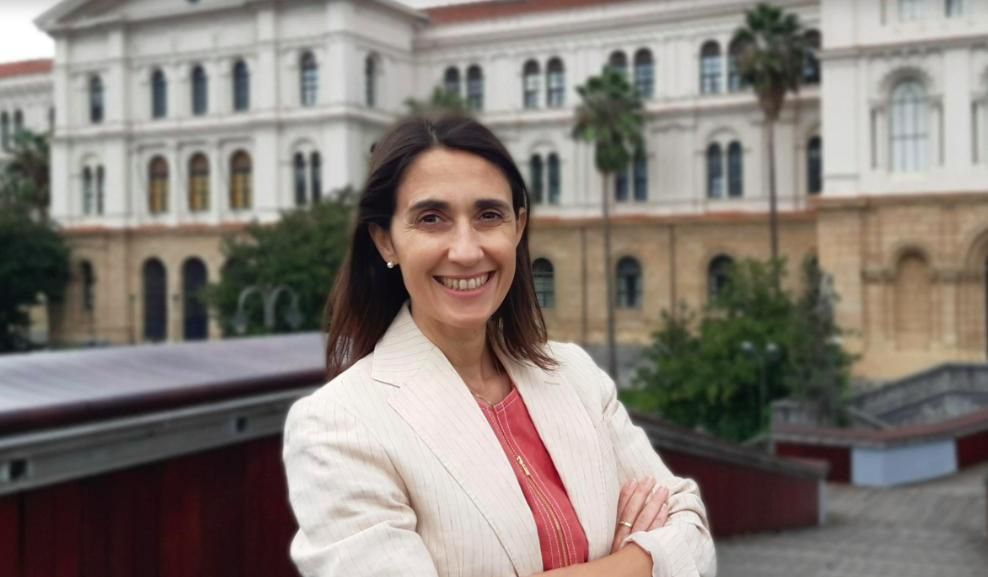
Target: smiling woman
[{"x": 453, "y": 438}]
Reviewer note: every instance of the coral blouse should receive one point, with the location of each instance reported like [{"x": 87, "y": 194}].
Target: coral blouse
[{"x": 561, "y": 536}]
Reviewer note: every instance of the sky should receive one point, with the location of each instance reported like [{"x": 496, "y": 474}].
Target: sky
[{"x": 21, "y": 40}]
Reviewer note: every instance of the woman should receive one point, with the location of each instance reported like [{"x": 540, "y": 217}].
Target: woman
[{"x": 453, "y": 439}]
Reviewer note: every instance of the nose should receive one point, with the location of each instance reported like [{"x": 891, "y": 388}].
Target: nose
[{"x": 465, "y": 246}]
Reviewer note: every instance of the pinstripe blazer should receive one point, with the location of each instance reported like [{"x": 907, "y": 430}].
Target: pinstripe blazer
[{"x": 393, "y": 470}]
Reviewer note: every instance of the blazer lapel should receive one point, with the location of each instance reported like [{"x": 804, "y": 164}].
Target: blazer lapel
[
  {"x": 569, "y": 435},
  {"x": 435, "y": 402}
]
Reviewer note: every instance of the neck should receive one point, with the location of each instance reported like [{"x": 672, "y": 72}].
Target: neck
[{"x": 466, "y": 349}]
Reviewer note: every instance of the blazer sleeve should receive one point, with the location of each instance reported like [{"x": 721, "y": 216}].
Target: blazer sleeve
[
  {"x": 684, "y": 547},
  {"x": 352, "y": 509}
]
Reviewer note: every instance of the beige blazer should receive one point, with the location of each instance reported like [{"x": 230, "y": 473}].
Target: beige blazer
[{"x": 393, "y": 469}]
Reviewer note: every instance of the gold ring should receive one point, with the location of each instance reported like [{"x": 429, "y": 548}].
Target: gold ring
[{"x": 626, "y": 524}]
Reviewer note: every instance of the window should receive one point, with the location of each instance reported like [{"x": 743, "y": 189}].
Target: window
[
  {"x": 241, "y": 86},
  {"x": 644, "y": 73},
  {"x": 735, "y": 170},
  {"x": 621, "y": 184},
  {"x": 308, "y": 79},
  {"x": 555, "y": 83},
  {"x": 200, "y": 91},
  {"x": 908, "y": 130},
  {"x": 18, "y": 122},
  {"x": 100, "y": 188},
  {"x": 5, "y": 131},
  {"x": 88, "y": 282},
  {"x": 155, "y": 300},
  {"x": 640, "y": 170},
  {"x": 910, "y": 10},
  {"x": 96, "y": 103},
  {"x": 715, "y": 171},
  {"x": 241, "y": 171},
  {"x": 451, "y": 80},
  {"x": 734, "y": 82},
  {"x": 370, "y": 81},
  {"x": 158, "y": 185},
  {"x": 315, "y": 176},
  {"x": 51, "y": 119},
  {"x": 814, "y": 165},
  {"x": 531, "y": 81},
  {"x": 299, "y": 170},
  {"x": 553, "y": 178},
  {"x": 954, "y": 8},
  {"x": 544, "y": 277},
  {"x": 629, "y": 284},
  {"x": 88, "y": 192},
  {"x": 618, "y": 62},
  {"x": 535, "y": 178},
  {"x": 710, "y": 68},
  {"x": 195, "y": 313},
  {"x": 159, "y": 94},
  {"x": 475, "y": 88},
  {"x": 811, "y": 64},
  {"x": 718, "y": 275},
  {"x": 198, "y": 183}
]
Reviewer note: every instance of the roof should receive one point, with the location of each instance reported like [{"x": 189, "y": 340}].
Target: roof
[
  {"x": 491, "y": 9},
  {"x": 25, "y": 67}
]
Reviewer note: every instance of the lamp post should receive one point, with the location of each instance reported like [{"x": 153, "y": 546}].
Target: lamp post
[
  {"x": 269, "y": 299},
  {"x": 764, "y": 356}
]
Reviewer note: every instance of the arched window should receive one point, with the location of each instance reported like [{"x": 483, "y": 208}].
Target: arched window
[
  {"x": 96, "y": 103},
  {"x": 200, "y": 91},
  {"x": 475, "y": 88},
  {"x": 618, "y": 62},
  {"x": 715, "y": 171},
  {"x": 555, "y": 83},
  {"x": 100, "y": 188},
  {"x": 735, "y": 170},
  {"x": 196, "y": 314},
  {"x": 241, "y": 86},
  {"x": 159, "y": 94},
  {"x": 621, "y": 184},
  {"x": 908, "y": 130},
  {"x": 954, "y": 8},
  {"x": 155, "y": 300},
  {"x": 370, "y": 80},
  {"x": 535, "y": 178},
  {"x": 545, "y": 283},
  {"x": 308, "y": 79},
  {"x": 88, "y": 192},
  {"x": 158, "y": 185},
  {"x": 18, "y": 121},
  {"x": 88, "y": 281},
  {"x": 734, "y": 51},
  {"x": 814, "y": 165},
  {"x": 5, "y": 131},
  {"x": 644, "y": 73},
  {"x": 811, "y": 64},
  {"x": 198, "y": 183},
  {"x": 710, "y": 68},
  {"x": 315, "y": 176},
  {"x": 910, "y": 10},
  {"x": 718, "y": 275},
  {"x": 629, "y": 283},
  {"x": 554, "y": 178},
  {"x": 299, "y": 171},
  {"x": 451, "y": 80},
  {"x": 640, "y": 170},
  {"x": 531, "y": 82},
  {"x": 241, "y": 172}
]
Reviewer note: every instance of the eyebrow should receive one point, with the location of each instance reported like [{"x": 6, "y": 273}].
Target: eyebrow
[{"x": 481, "y": 204}]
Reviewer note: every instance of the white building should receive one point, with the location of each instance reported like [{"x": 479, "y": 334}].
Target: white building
[{"x": 25, "y": 100}]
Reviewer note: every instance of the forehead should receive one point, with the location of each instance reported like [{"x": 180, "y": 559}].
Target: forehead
[{"x": 451, "y": 175}]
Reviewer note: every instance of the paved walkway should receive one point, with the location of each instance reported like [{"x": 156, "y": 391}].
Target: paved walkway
[{"x": 927, "y": 530}]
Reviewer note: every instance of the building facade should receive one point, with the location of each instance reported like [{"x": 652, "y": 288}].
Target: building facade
[{"x": 178, "y": 122}]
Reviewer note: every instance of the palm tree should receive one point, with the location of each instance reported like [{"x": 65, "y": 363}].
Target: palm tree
[
  {"x": 609, "y": 116},
  {"x": 773, "y": 51},
  {"x": 25, "y": 177}
]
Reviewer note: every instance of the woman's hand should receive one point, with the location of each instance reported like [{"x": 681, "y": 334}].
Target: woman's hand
[{"x": 640, "y": 507}]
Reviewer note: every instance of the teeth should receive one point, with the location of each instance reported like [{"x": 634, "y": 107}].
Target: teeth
[{"x": 461, "y": 284}]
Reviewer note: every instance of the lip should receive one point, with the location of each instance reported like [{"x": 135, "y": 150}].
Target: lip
[{"x": 466, "y": 294}]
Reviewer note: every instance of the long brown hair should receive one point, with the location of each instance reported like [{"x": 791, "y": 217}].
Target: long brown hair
[{"x": 367, "y": 295}]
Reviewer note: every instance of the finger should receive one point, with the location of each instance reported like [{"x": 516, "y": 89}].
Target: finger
[
  {"x": 637, "y": 501},
  {"x": 626, "y": 492},
  {"x": 637, "y": 491},
  {"x": 649, "y": 512}
]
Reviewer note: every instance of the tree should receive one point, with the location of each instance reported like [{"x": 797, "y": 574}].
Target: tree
[
  {"x": 440, "y": 103},
  {"x": 302, "y": 251},
  {"x": 773, "y": 51},
  {"x": 25, "y": 179},
  {"x": 610, "y": 117}
]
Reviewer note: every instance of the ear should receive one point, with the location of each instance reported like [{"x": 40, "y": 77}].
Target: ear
[
  {"x": 522, "y": 221},
  {"x": 382, "y": 240}
]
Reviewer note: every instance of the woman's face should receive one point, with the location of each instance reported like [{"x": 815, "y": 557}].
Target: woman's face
[{"x": 453, "y": 236}]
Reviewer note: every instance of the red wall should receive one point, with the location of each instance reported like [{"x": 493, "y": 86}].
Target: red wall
[
  {"x": 213, "y": 514},
  {"x": 747, "y": 500},
  {"x": 972, "y": 449},
  {"x": 839, "y": 458}
]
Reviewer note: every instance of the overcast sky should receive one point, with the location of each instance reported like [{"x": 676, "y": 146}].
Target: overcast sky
[{"x": 20, "y": 40}]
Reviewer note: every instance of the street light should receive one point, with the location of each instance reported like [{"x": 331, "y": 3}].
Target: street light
[
  {"x": 769, "y": 354},
  {"x": 269, "y": 298}
]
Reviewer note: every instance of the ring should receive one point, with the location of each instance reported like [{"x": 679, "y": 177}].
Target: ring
[{"x": 626, "y": 524}]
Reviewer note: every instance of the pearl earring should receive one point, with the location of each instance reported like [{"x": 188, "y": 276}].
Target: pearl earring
[{"x": 391, "y": 264}]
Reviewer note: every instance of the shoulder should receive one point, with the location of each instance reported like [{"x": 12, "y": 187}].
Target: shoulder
[
  {"x": 578, "y": 369},
  {"x": 342, "y": 398}
]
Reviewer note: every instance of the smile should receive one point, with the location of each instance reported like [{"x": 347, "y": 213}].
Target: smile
[{"x": 465, "y": 284}]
